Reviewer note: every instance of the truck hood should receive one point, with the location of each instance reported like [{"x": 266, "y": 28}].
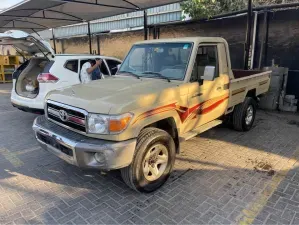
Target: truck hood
[{"x": 116, "y": 95}]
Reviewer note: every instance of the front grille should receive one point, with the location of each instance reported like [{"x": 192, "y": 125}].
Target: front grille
[
  {"x": 51, "y": 141},
  {"x": 66, "y": 116}
]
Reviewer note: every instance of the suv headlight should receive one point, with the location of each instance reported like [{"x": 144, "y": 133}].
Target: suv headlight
[{"x": 105, "y": 124}]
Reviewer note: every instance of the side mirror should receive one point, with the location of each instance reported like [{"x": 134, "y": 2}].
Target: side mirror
[{"x": 209, "y": 73}]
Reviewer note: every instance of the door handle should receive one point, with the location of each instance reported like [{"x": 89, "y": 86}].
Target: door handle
[
  {"x": 197, "y": 95},
  {"x": 219, "y": 88}
]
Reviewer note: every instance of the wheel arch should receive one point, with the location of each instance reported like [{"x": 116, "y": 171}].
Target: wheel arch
[
  {"x": 252, "y": 94},
  {"x": 169, "y": 125}
]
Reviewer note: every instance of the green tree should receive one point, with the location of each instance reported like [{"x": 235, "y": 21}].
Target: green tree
[{"x": 198, "y": 9}]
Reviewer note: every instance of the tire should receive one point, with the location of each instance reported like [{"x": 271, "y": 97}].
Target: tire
[
  {"x": 240, "y": 120},
  {"x": 150, "y": 141}
]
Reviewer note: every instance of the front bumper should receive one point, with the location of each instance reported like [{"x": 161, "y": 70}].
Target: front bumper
[
  {"x": 80, "y": 150},
  {"x": 28, "y": 109},
  {"x": 28, "y": 103}
]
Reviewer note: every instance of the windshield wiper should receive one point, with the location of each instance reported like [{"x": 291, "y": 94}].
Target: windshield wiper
[
  {"x": 158, "y": 75},
  {"x": 131, "y": 73}
]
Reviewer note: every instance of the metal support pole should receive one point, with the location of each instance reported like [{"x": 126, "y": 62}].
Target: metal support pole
[
  {"x": 145, "y": 24},
  {"x": 248, "y": 36},
  {"x": 155, "y": 32},
  {"x": 62, "y": 46},
  {"x": 54, "y": 40},
  {"x": 253, "y": 40},
  {"x": 98, "y": 45},
  {"x": 158, "y": 32},
  {"x": 89, "y": 37},
  {"x": 266, "y": 41},
  {"x": 264, "y": 29}
]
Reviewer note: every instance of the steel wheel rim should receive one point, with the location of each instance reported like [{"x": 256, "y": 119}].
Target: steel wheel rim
[
  {"x": 249, "y": 115},
  {"x": 155, "y": 162}
]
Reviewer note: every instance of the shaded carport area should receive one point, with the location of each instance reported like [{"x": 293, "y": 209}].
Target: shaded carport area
[{"x": 38, "y": 15}]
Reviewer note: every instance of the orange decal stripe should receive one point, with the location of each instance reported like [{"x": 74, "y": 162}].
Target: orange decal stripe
[
  {"x": 186, "y": 113},
  {"x": 263, "y": 82},
  {"x": 152, "y": 114},
  {"x": 238, "y": 91},
  {"x": 212, "y": 107},
  {"x": 207, "y": 106},
  {"x": 155, "y": 111}
]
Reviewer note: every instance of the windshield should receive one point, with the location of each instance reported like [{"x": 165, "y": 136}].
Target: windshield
[{"x": 168, "y": 60}]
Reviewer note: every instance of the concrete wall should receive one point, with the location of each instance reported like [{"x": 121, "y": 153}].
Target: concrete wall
[
  {"x": 115, "y": 44},
  {"x": 118, "y": 44}
]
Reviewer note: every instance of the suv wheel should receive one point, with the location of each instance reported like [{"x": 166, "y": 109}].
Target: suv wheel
[
  {"x": 153, "y": 161},
  {"x": 244, "y": 115}
]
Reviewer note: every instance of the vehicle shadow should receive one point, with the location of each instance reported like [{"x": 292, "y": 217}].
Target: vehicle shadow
[{"x": 61, "y": 193}]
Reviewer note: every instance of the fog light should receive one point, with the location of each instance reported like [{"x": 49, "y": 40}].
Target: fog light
[{"x": 99, "y": 157}]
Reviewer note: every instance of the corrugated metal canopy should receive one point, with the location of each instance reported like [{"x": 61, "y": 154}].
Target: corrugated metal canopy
[{"x": 39, "y": 15}]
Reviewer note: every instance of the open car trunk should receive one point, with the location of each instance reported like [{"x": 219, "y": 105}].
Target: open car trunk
[
  {"x": 26, "y": 77},
  {"x": 26, "y": 84}
]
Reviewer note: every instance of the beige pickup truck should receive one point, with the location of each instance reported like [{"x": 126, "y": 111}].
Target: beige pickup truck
[{"x": 166, "y": 91}]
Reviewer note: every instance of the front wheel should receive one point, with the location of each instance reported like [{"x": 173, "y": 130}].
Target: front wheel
[
  {"x": 153, "y": 161},
  {"x": 244, "y": 115}
]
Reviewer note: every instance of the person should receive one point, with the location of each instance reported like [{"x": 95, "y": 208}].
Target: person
[{"x": 91, "y": 71}]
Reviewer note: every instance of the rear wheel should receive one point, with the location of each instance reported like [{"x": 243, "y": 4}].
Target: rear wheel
[
  {"x": 244, "y": 115},
  {"x": 153, "y": 161}
]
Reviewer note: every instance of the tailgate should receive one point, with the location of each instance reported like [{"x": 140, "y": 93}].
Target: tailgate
[{"x": 239, "y": 87}]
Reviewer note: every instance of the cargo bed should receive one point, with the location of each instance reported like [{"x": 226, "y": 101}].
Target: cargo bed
[{"x": 246, "y": 80}]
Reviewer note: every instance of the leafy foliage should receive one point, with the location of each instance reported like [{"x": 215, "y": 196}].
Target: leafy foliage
[{"x": 198, "y": 9}]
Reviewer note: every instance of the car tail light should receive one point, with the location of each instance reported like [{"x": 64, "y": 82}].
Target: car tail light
[{"x": 47, "y": 78}]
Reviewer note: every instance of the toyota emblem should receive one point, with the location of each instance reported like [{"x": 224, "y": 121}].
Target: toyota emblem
[{"x": 63, "y": 115}]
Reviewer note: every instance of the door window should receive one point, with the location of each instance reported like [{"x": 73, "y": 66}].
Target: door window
[
  {"x": 112, "y": 64},
  {"x": 206, "y": 57},
  {"x": 82, "y": 62},
  {"x": 104, "y": 68},
  {"x": 72, "y": 65}
]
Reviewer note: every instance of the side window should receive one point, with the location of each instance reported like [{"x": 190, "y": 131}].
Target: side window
[
  {"x": 194, "y": 75},
  {"x": 82, "y": 63},
  {"x": 112, "y": 64},
  {"x": 104, "y": 69},
  {"x": 206, "y": 57},
  {"x": 72, "y": 65},
  {"x": 137, "y": 59}
]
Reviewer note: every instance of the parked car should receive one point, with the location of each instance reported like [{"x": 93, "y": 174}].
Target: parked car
[
  {"x": 166, "y": 91},
  {"x": 46, "y": 71}
]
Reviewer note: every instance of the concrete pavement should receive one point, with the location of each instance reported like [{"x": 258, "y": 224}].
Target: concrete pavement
[{"x": 221, "y": 177}]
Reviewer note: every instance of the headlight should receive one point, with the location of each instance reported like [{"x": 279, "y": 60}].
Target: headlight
[
  {"x": 104, "y": 124},
  {"x": 98, "y": 124}
]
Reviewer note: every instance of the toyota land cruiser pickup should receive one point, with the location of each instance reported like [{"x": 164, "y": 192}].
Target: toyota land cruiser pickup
[{"x": 165, "y": 92}]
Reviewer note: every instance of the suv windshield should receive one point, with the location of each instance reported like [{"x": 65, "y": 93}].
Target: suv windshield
[{"x": 158, "y": 60}]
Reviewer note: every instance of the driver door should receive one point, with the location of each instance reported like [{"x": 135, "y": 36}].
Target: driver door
[{"x": 208, "y": 90}]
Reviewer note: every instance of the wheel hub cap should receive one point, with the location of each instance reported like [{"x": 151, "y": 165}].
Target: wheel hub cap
[
  {"x": 155, "y": 162},
  {"x": 249, "y": 115}
]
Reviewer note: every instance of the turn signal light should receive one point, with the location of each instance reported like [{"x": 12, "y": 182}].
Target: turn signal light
[{"x": 117, "y": 125}]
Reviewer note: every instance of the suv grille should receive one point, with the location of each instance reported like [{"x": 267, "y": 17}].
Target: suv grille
[{"x": 66, "y": 116}]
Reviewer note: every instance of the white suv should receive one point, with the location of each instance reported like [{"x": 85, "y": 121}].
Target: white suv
[{"x": 45, "y": 71}]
